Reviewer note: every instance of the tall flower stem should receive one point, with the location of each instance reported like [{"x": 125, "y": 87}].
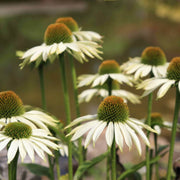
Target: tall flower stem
[
  {"x": 12, "y": 168},
  {"x": 57, "y": 165},
  {"x": 43, "y": 99},
  {"x": 173, "y": 133},
  {"x": 147, "y": 148},
  {"x": 156, "y": 154},
  {"x": 74, "y": 79},
  {"x": 68, "y": 114},
  {"x": 113, "y": 160},
  {"x": 108, "y": 165}
]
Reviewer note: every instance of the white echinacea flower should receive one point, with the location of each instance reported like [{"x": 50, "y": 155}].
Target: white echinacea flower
[
  {"x": 152, "y": 62},
  {"x": 13, "y": 110},
  {"x": 112, "y": 113},
  {"x": 58, "y": 39},
  {"x": 172, "y": 78},
  {"x": 102, "y": 91},
  {"x": 77, "y": 32},
  {"x": 108, "y": 69},
  {"x": 21, "y": 137}
]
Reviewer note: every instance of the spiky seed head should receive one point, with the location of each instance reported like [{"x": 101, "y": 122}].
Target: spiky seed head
[
  {"x": 10, "y": 105},
  {"x": 153, "y": 56},
  {"x": 156, "y": 119},
  {"x": 69, "y": 22},
  {"x": 109, "y": 66},
  {"x": 18, "y": 130},
  {"x": 113, "y": 109},
  {"x": 56, "y": 33},
  {"x": 173, "y": 71}
]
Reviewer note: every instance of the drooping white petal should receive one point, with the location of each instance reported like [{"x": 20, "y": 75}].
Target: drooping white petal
[
  {"x": 12, "y": 150},
  {"x": 29, "y": 149},
  {"x": 73, "y": 46},
  {"x": 162, "y": 91},
  {"x": 86, "y": 80},
  {"x": 4, "y": 142},
  {"x": 90, "y": 134},
  {"x": 118, "y": 136},
  {"x": 100, "y": 80},
  {"x": 98, "y": 131},
  {"x": 110, "y": 134},
  {"x": 146, "y": 71},
  {"x": 22, "y": 150},
  {"x": 126, "y": 135},
  {"x": 87, "y": 95},
  {"x": 155, "y": 83},
  {"x": 39, "y": 151},
  {"x": 24, "y": 120},
  {"x": 60, "y": 48},
  {"x": 81, "y": 119},
  {"x": 36, "y": 55}
]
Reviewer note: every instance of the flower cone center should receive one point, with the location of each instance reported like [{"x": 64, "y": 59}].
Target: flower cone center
[
  {"x": 156, "y": 119},
  {"x": 173, "y": 71},
  {"x": 18, "y": 130},
  {"x": 113, "y": 109},
  {"x": 69, "y": 22},
  {"x": 10, "y": 105},
  {"x": 153, "y": 56},
  {"x": 56, "y": 33},
  {"x": 109, "y": 66}
]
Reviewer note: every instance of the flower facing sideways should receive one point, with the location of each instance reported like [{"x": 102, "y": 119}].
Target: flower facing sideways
[
  {"x": 172, "y": 78},
  {"x": 58, "y": 39},
  {"x": 108, "y": 69},
  {"x": 112, "y": 113},
  {"x": 152, "y": 62},
  {"x": 21, "y": 137},
  {"x": 13, "y": 110},
  {"x": 77, "y": 32}
]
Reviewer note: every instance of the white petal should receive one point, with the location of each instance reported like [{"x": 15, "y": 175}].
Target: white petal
[
  {"x": 126, "y": 135},
  {"x": 110, "y": 134},
  {"x": 12, "y": 150},
  {"x": 118, "y": 136},
  {"x": 81, "y": 119},
  {"x": 4, "y": 143},
  {"x": 29, "y": 148},
  {"x": 100, "y": 80},
  {"x": 98, "y": 131},
  {"x": 73, "y": 46},
  {"x": 22, "y": 150},
  {"x": 35, "y": 56},
  {"x": 179, "y": 86},
  {"x": 162, "y": 91},
  {"x": 60, "y": 48},
  {"x": 86, "y": 80}
]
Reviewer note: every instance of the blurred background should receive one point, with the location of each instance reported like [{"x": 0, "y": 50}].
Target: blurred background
[{"x": 127, "y": 27}]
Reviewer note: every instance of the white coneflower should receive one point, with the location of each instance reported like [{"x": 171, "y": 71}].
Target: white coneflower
[
  {"x": 172, "y": 78},
  {"x": 13, "y": 110},
  {"x": 77, "y": 32},
  {"x": 102, "y": 91},
  {"x": 108, "y": 69},
  {"x": 58, "y": 38},
  {"x": 112, "y": 113},
  {"x": 21, "y": 137},
  {"x": 152, "y": 62}
]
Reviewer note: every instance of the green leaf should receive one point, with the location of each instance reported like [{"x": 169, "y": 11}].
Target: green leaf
[
  {"x": 161, "y": 148},
  {"x": 88, "y": 164},
  {"x": 37, "y": 169}
]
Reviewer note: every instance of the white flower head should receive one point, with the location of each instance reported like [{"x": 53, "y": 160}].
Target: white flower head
[
  {"x": 13, "y": 110},
  {"x": 21, "y": 137},
  {"x": 172, "y": 78},
  {"x": 152, "y": 62},
  {"x": 108, "y": 69},
  {"x": 113, "y": 113},
  {"x": 102, "y": 91},
  {"x": 58, "y": 39},
  {"x": 77, "y": 32}
]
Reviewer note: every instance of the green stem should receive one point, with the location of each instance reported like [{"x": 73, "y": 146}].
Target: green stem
[
  {"x": 173, "y": 133},
  {"x": 57, "y": 165},
  {"x": 41, "y": 77},
  {"x": 147, "y": 148},
  {"x": 156, "y": 153},
  {"x": 113, "y": 160},
  {"x": 43, "y": 99},
  {"x": 12, "y": 168},
  {"x": 74, "y": 79},
  {"x": 67, "y": 110},
  {"x": 109, "y": 82}
]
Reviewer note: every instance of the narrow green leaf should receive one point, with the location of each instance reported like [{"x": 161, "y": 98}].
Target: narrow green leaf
[
  {"x": 37, "y": 169},
  {"x": 88, "y": 164}
]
